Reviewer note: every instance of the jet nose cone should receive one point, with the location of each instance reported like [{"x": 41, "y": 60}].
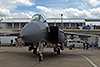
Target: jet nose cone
[
  {"x": 24, "y": 37},
  {"x": 31, "y": 33}
]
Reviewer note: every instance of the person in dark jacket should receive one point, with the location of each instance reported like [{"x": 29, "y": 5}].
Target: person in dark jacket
[
  {"x": 73, "y": 45},
  {"x": 87, "y": 45},
  {"x": 96, "y": 45},
  {"x": 11, "y": 42},
  {"x": 84, "y": 45}
]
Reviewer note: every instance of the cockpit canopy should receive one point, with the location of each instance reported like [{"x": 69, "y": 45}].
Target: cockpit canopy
[{"x": 38, "y": 17}]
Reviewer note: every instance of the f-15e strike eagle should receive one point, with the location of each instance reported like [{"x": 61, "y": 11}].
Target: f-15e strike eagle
[{"x": 37, "y": 32}]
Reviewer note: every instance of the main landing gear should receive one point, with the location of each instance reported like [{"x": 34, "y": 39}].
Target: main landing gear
[
  {"x": 58, "y": 52},
  {"x": 34, "y": 48},
  {"x": 57, "y": 49}
]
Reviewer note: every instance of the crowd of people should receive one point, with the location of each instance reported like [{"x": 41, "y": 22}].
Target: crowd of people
[
  {"x": 16, "y": 43},
  {"x": 95, "y": 45},
  {"x": 86, "y": 45}
]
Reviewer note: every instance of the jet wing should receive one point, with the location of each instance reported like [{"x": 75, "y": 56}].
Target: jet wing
[{"x": 80, "y": 34}]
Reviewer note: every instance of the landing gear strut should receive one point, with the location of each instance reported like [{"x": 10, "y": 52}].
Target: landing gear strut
[
  {"x": 40, "y": 52},
  {"x": 40, "y": 56}
]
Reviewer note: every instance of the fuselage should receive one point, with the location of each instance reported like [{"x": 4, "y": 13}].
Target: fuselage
[{"x": 37, "y": 31}]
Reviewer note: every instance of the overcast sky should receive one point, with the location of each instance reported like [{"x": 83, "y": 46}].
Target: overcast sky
[{"x": 50, "y": 8}]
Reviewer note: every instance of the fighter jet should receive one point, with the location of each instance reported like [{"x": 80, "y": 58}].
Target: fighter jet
[{"x": 37, "y": 31}]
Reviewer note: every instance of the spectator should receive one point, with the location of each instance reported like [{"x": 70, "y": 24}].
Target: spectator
[
  {"x": 87, "y": 45},
  {"x": 73, "y": 45},
  {"x": 20, "y": 43},
  {"x": 93, "y": 44},
  {"x": 17, "y": 43},
  {"x": 96, "y": 45},
  {"x": 84, "y": 45},
  {"x": 11, "y": 42}
]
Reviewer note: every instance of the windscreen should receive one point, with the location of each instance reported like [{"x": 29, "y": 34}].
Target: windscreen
[{"x": 38, "y": 17}]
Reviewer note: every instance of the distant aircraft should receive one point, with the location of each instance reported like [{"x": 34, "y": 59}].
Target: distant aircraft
[{"x": 37, "y": 32}]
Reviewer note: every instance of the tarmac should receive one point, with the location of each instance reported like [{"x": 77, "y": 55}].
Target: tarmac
[{"x": 21, "y": 57}]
